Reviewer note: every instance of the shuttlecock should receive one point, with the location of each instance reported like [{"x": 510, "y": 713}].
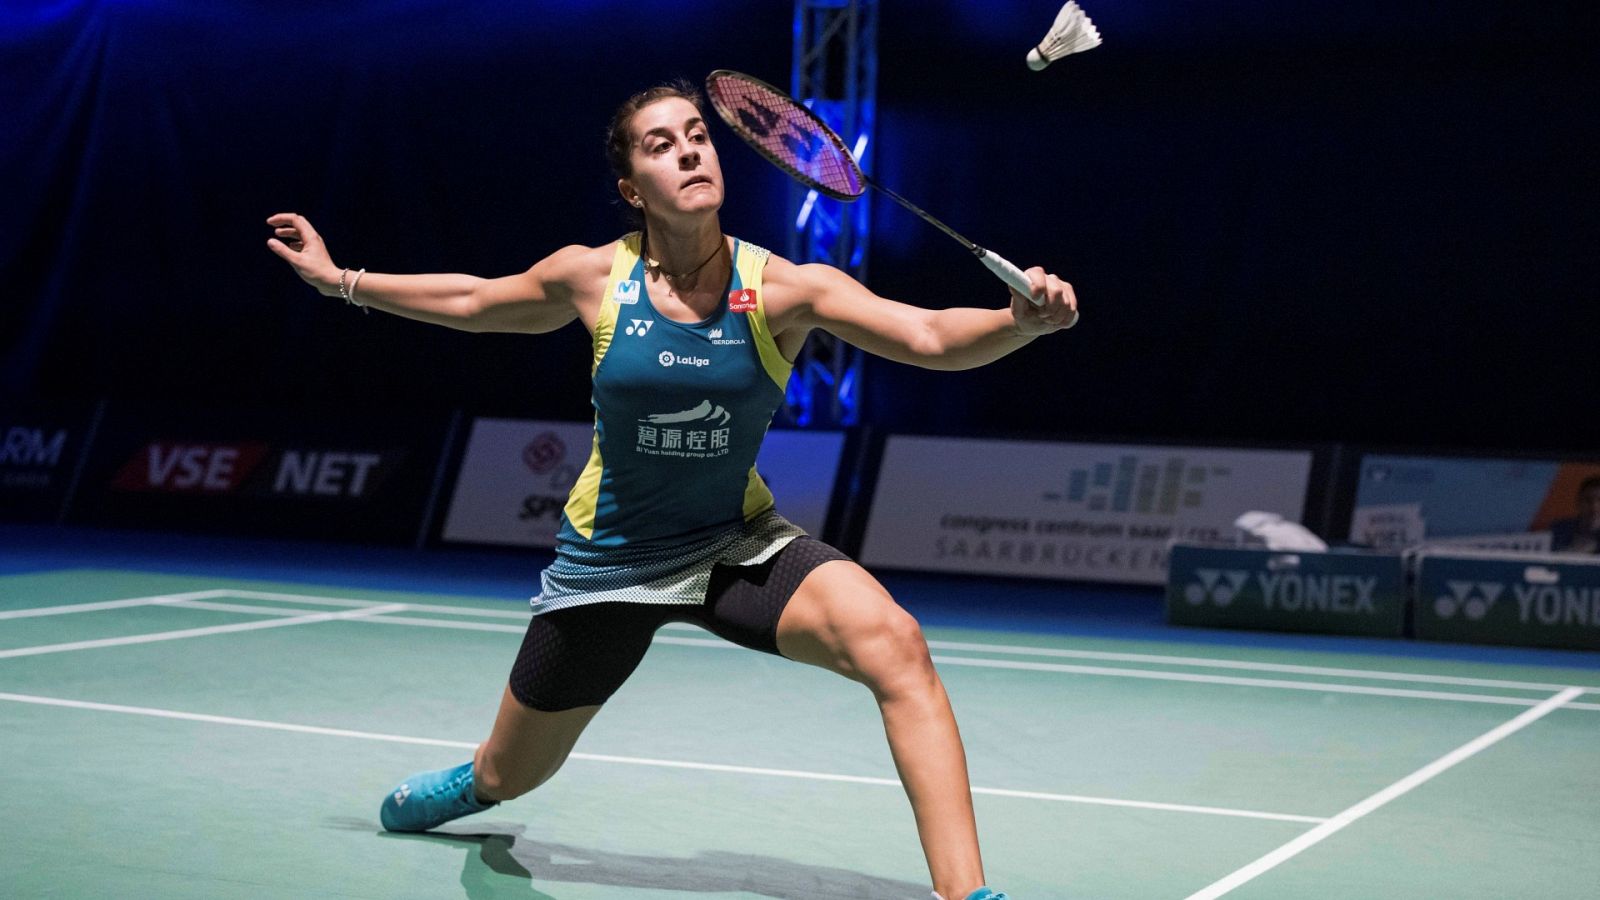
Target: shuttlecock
[{"x": 1071, "y": 33}]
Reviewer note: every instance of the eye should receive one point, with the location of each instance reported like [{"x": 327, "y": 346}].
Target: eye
[{"x": 699, "y": 137}]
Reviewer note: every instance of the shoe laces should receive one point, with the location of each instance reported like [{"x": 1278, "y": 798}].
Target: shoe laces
[{"x": 452, "y": 788}]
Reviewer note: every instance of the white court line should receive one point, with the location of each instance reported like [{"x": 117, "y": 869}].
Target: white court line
[
  {"x": 641, "y": 761},
  {"x": 199, "y": 632},
  {"x": 1190, "y": 661},
  {"x": 718, "y": 643},
  {"x": 68, "y": 608},
  {"x": 524, "y": 614},
  {"x": 951, "y": 660},
  {"x": 1399, "y": 788},
  {"x": 1209, "y": 663},
  {"x": 1327, "y": 687}
]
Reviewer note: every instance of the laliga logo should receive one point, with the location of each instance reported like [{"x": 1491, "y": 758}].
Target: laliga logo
[
  {"x": 1473, "y": 599},
  {"x": 666, "y": 358},
  {"x": 1220, "y": 587}
]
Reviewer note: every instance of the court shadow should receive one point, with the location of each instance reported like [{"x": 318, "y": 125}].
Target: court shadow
[{"x": 508, "y": 864}]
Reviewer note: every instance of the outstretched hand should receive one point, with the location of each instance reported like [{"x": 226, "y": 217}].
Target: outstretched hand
[
  {"x": 301, "y": 247},
  {"x": 1059, "y": 309}
]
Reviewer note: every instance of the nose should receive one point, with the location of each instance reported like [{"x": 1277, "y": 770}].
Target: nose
[{"x": 689, "y": 160}]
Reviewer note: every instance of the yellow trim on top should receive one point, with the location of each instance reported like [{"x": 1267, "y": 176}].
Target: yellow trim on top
[
  {"x": 751, "y": 262},
  {"x": 585, "y": 496},
  {"x": 757, "y": 496},
  {"x": 605, "y": 323}
]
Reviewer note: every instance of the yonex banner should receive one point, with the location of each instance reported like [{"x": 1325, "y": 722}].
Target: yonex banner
[
  {"x": 1493, "y": 504},
  {"x": 1532, "y": 600},
  {"x": 40, "y": 451},
  {"x": 516, "y": 474},
  {"x": 1098, "y": 512},
  {"x": 259, "y": 472},
  {"x": 1335, "y": 592}
]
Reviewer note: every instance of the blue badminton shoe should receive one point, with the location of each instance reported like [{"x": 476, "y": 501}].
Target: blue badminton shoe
[
  {"x": 982, "y": 893},
  {"x": 430, "y": 799}
]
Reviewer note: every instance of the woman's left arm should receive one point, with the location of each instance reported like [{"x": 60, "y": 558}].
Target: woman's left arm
[{"x": 821, "y": 296}]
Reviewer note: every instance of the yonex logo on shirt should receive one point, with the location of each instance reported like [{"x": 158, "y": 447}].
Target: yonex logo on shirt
[{"x": 641, "y": 327}]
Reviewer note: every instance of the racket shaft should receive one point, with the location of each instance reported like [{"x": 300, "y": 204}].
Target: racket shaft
[{"x": 999, "y": 265}]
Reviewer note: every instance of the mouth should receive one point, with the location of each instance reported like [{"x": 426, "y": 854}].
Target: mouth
[{"x": 698, "y": 179}]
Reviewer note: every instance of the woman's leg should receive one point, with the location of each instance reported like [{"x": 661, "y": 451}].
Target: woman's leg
[
  {"x": 571, "y": 661},
  {"x": 525, "y": 748},
  {"x": 842, "y": 619}
]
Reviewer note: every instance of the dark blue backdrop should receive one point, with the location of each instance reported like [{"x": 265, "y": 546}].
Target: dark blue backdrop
[{"x": 1288, "y": 222}]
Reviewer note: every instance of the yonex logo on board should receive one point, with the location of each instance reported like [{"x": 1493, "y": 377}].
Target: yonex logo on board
[
  {"x": 1473, "y": 599},
  {"x": 1218, "y": 586}
]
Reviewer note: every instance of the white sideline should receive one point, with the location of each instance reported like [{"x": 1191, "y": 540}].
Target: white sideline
[
  {"x": 69, "y": 608},
  {"x": 377, "y": 613},
  {"x": 718, "y": 643},
  {"x": 1399, "y": 788},
  {"x": 199, "y": 632},
  {"x": 640, "y": 761},
  {"x": 1372, "y": 674}
]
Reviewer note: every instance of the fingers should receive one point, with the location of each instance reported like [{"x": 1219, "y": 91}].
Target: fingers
[
  {"x": 1054, "y": 304},
  {"x": 293, "y": 227}
]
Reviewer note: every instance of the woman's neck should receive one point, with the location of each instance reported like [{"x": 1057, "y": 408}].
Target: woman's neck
[{"x": 683, "y": 253}]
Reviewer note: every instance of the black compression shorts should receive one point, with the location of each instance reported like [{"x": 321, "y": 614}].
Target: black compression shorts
[{"x": 580, "y": 655}]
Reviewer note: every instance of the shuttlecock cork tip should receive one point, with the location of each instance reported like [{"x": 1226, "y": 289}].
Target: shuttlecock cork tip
[{"x": 1036, "y": 60}]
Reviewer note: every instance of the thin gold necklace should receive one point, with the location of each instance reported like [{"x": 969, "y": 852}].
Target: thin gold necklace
[{"x": 656, "y": 264}]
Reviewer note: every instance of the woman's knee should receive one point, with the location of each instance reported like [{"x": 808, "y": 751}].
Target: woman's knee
[{"x": 891, "y": 655}]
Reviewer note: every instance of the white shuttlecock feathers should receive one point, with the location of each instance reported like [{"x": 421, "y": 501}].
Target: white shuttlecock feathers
[{"x": 1071, "y": 33}]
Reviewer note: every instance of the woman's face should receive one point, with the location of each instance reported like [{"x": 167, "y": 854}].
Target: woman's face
[{"x": 675, "y": 168}]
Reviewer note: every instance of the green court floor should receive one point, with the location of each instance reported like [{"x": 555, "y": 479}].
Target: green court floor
[{"x": 174, "y": 736}]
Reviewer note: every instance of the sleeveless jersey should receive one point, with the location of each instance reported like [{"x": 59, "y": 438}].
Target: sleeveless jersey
[{"x": 670, "y": 488}]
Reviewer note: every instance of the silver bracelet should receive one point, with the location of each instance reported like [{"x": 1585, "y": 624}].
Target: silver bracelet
[
  {"x": 352, "y": 298},
  {"x": 343, "y": 294}
]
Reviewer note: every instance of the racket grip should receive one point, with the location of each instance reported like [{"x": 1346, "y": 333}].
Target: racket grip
[{"x": 1010, "y": 274}]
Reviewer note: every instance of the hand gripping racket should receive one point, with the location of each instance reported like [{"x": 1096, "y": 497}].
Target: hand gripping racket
[{"x": 796, "y": 140}]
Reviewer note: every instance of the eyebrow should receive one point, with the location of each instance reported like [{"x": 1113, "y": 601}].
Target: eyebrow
[{"x": 667, "y": 132}]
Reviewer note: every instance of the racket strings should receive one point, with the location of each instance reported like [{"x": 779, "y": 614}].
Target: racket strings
[{"x": 788, "y": 134}]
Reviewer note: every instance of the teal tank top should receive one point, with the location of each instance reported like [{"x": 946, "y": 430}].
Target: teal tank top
[{"x": 680, "y": 413}]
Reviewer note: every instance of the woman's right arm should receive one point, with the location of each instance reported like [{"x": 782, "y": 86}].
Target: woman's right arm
[{"x": 538, "y": 300}]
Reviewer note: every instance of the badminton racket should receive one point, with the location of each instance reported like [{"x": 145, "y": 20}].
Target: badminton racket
[{"x": 796, "y": 140}]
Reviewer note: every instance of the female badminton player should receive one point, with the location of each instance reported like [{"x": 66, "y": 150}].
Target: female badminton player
[{"x": 669, "y": 520}]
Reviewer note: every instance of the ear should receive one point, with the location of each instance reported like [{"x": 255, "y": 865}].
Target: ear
[{"x": 629, "y": 195}]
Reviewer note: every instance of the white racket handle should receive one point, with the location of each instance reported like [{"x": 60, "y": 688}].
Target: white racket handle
[{"x": 1010, "y": 274}]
